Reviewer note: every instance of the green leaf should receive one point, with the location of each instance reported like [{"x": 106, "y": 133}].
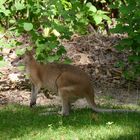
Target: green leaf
[
  {"x": 1, "y": 58},
  {"x": 101, "y": 12},
  {"x": 12, "y": 21},
  {"x": 128, "y": 75},
  {"x": 53, "y": 44},
  {"x": 120, "y": 64},
  {"x": 125, "y": 10},
  {"x": 98, "y": 19},
  {"x": 19, "y": 6},
  {"x": 106, "y": 17},
  {"x": 127, "y": 42},
  {"x": 28, "y": 26},
  {"x": 20, "y": 52},
  {"x": 53, "y": 58},
  {"x": 120, "y": 47},
  {"x": 61, "y": 51},
  {"x": 137, "y": 38},
  {"x": 5, "y": 11},
  {"x": 67, "y": 61},
  {"x": 2, "y": 2},
  {"x": 91, "y": 7},
  {"x": 2, "y": 31},
  {"x": 117, "y": 29},
  {"x": 19, "y": 43},
  {"x": 79, "y": 15},
  {"x": 134, "y": 58},
  {"x": 138, "y": 49}
]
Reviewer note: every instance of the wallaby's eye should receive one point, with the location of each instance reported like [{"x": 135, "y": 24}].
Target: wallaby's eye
[{"x": 20, "y": 58}]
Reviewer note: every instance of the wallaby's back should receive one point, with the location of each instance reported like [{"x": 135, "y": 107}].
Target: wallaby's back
[{"x": 70, "y": 75}]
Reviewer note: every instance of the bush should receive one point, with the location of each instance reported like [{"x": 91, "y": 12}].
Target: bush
[
  {"x": 129, "y": 24},
  {"x": 48, "y": 22}
]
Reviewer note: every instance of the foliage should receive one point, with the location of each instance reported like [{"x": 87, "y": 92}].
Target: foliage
[
  {"x": 48, "y": 22},
  {"x": 97, "y": 15},
  {"x": 129, "y": 24}
]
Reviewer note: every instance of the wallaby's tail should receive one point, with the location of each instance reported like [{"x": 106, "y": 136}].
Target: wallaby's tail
[
  {"x": 90, "y": 100},
  {"x": 102, "y": 110}
]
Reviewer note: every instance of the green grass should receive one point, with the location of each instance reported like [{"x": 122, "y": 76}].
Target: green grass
[{"x": 22, "y": 123}]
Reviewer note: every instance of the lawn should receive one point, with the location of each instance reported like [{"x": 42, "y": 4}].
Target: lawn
[{"x": 19, "y": 122}]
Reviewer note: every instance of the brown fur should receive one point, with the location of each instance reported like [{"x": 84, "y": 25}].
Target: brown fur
[{"x": 68, "y": 81}]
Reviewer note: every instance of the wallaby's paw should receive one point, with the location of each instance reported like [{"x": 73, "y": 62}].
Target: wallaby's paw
[
  {"x": 63, "y": 113},
  {"x": 32, "y": 104}
]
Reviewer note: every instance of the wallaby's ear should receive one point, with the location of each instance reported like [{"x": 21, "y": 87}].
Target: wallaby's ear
[
  {"x": 30, "y": 52},
  {"x": 33, "y": 50},
  {"x": 27, "y": 52}
]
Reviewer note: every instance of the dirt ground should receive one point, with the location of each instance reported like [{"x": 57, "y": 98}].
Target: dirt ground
[
  {"x": 93, "y": 53},
  {"x": 103, "y": 97}
]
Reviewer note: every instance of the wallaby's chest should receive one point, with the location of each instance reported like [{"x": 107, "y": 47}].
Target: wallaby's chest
[{"x": 49, "y": 79}]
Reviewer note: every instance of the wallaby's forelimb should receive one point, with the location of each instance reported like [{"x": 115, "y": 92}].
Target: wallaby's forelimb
[{"x": 34, "y": 93}]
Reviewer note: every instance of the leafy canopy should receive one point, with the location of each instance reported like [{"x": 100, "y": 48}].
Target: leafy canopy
[
  {"x": 47, "y": 22},
  {"x": 129, "y": 24}
]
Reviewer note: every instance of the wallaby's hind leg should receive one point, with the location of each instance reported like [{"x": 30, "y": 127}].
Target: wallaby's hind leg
[
  {"x": 91, "y": 102},
  {"x": 65, "y": 103},
  {"x": 34, "y": 93}
]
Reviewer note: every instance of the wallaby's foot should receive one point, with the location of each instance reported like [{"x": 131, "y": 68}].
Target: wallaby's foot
[
  {"x": 32, "y": 104},
  {"x": 47, "y": 113},
  {"x": 48, "y": 96},
  {"x": 63, "y": 113}
]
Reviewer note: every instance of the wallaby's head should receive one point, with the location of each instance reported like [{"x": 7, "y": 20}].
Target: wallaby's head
[
  {"x": 24, "y": 59},
  {"x": 28, "y": 57}
]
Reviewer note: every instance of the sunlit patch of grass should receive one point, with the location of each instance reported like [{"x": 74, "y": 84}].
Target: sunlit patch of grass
[{"x": 22, "y": 123}]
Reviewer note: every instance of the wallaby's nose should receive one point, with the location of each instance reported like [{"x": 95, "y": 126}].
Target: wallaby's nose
[
  {"x": 16, "y": 61},
  {"x": 12, "y": 63}
]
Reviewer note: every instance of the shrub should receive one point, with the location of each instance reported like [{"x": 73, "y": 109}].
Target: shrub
[
  {"x": 46, "y": 23},
  {"x": 129, "y": 24}
]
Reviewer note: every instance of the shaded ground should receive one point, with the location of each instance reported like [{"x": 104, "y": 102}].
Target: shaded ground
[
  {"x": 103, "y": 97},
  {"x": 98, "y": 57},
  {"x": 93, "y": 53}
]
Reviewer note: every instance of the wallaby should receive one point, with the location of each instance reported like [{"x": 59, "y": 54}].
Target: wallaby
[{"x": 69, "y": 81}]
